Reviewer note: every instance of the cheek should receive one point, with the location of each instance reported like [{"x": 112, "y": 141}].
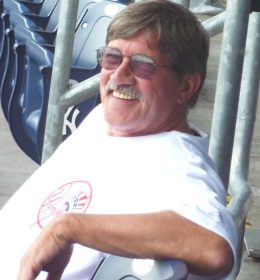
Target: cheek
[
  {"x": 104, "y": 78},
  {"x": 163, "y": 95},
  {"x": 154, "y": 90}
]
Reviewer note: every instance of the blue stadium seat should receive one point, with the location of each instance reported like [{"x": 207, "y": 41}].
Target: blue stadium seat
[
  {"x": 9, "y": 64},
  {"x": 1, "y": 6},
  {"x": 14, "y": 16},
  {"x": 11, "y": 18},
  {"x": 2, "y": 29},
  {"x": 23, "y": 6},
  {"x": 33, "y": 20},
  {"x": 28, "y": 105},
  {"x": 7, "y": 72},
  {"x": 141, "y": 269}
]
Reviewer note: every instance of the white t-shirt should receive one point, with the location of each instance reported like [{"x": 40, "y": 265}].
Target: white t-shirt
[{"x": 92, "y": 172}]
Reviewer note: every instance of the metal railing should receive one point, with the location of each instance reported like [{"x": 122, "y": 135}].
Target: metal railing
[{"x": 232, "y": 129}]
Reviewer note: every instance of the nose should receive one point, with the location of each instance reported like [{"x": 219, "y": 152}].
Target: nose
[{"x": 123, "y": 74}]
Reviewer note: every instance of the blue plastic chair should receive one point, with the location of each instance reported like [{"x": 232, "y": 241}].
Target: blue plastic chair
[
  {"x": 29, "y": 19},
  {"x": 1, "y": 10},
  {"x": 4, "y": 26},
  {"x": 114, "y": 267},
  {"x": 7, "y": 73},
  {"x": 1, "y": 24},
  {"x": 33, "y": 20},
  {"x": 12, "y": 17},
  {"x": 21, "y": 34},
  {"x": 28, "y": 105},
  {"x": 23, "y": 6}
]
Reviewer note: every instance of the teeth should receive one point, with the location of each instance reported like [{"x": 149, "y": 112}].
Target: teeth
[{"x": 122, "y": 95}]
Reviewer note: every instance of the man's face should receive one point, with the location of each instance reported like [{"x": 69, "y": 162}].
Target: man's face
[{"x": 155, "y": 108}]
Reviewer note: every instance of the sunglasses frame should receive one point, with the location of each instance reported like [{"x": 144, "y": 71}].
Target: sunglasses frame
[{"x": 134, "y": 61}]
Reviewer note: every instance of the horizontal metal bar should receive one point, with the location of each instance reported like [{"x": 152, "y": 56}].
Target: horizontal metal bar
[
  {"x": 81, "y": 92},
  {"x": 215, "y": 24}
]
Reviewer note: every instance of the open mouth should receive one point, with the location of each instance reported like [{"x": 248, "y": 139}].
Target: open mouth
[
  {"x": 123, "y": 92},
  {"x": 123, "y": 95}
]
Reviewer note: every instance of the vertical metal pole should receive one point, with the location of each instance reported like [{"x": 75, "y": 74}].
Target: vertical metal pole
[
  {"x": 60, "y": 76},
  {"x": 228, "y": 85},
  {"x": 248, "y": 100}
]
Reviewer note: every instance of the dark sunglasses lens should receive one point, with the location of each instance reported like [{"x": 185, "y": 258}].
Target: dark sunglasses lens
[
  {"x": 110, "y": 60},
  {"x": 142, "y": 66},
  {"x": 142, "y": 69}
]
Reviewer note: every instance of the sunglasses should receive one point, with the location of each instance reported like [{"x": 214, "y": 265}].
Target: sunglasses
[{"x": 141, "y": 65}]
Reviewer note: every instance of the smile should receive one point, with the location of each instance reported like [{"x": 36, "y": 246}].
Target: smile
[{"x": 122, "y": 95}]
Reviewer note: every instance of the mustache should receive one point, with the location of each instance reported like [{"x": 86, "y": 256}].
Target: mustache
[{"x": 126, "y": 89}]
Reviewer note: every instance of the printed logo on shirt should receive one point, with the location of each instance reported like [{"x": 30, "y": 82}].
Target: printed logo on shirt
[{"x": 73, "y": 197}]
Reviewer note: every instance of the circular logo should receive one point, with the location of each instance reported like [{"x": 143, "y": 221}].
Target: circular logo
[{"x": 73, "y": 197}]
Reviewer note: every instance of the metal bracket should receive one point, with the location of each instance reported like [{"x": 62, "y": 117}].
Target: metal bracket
[{"x": 210, "y": 7}]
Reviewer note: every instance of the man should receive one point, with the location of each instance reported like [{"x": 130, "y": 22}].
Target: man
[{"x": 135, "y": 179}]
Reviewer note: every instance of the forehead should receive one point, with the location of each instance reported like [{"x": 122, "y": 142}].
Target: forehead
[{"x": 141, "y": 43}]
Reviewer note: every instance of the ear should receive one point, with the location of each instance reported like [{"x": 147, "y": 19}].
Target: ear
[{"x": 190, "y": 84}]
